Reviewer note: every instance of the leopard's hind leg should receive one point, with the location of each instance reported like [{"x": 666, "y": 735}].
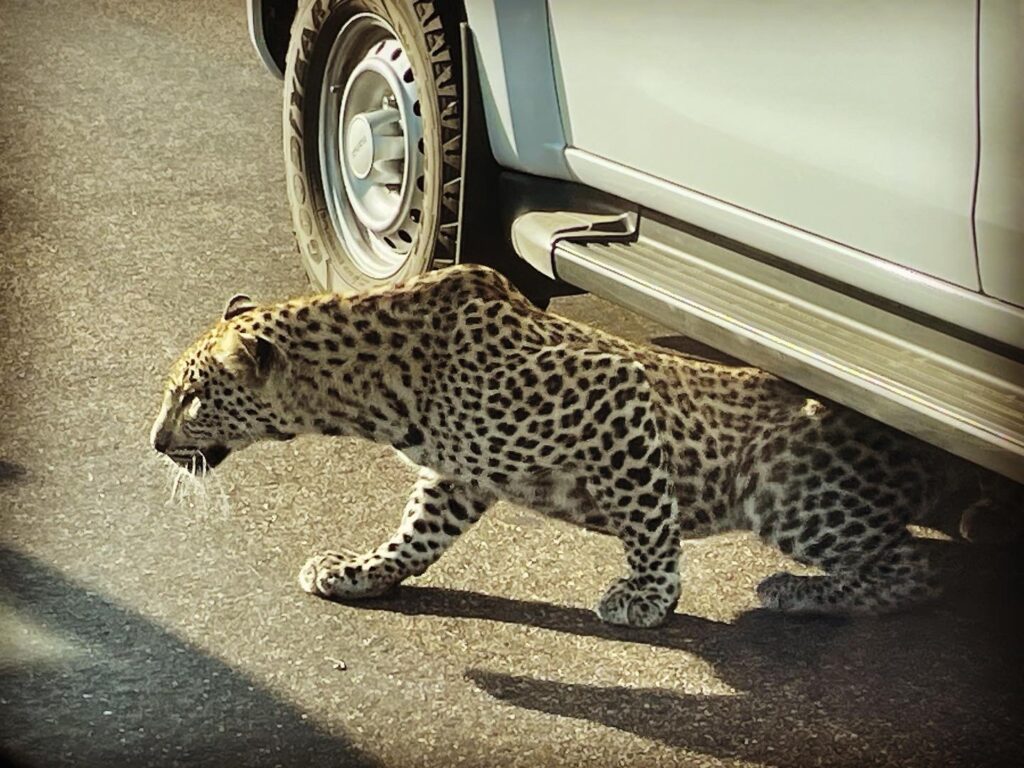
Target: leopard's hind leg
[
  {"x": 834, "y": 490},
  {"x": 897, "y": 577},
  {"x": 855, "y": 532}
]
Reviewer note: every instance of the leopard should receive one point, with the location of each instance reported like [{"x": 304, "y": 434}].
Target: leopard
[{"x": 492, "y": 398}]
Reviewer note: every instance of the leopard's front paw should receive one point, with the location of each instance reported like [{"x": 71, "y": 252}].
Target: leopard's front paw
[
  {"x": 628, "y": 604},
  {"x": 345, "y": 577},
  {"x": 321, "y": 573}
]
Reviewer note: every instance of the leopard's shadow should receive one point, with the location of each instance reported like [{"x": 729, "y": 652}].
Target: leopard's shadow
[{"x": 940, "y": 685}]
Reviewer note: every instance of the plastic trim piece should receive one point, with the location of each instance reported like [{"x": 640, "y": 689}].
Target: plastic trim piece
[
  {"x": 517, "y": 82},
  {"x": 535, "y": 234},
  {"x": 259, "y": 38}
]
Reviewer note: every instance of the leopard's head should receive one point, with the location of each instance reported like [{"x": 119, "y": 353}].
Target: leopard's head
[{"x": 221, "y": 394}]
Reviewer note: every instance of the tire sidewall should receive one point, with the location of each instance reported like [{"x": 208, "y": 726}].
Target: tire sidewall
[{"x": 427, "y": 41}]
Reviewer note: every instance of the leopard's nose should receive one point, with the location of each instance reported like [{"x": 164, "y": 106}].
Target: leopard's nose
[
  {"x": 161, "y": 441},
  {"x": 160, "y": 436}
]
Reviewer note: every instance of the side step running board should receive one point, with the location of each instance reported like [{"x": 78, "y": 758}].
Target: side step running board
[{"x": 940, "y": 389}]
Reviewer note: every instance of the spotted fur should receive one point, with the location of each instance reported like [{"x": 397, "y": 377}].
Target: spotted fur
[{"x": 493, "y": 398}]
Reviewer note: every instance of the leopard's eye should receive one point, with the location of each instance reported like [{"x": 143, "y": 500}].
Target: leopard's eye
[{"x": 190, "y": 405}]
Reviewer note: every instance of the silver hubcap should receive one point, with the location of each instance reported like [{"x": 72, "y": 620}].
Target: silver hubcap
[{"x": 371, "y": 158}]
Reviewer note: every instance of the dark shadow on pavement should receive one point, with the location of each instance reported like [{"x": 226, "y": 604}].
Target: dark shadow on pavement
[
  {"x": 11, "y": 472},
  {"x": 937, "y": 686},
  {"x": 132, "y": 694}
]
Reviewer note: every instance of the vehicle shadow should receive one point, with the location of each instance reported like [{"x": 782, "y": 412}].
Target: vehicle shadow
[
  {"x": 938, "y": 686},
  {"x": 687, "y": 347},
  {"x": 85, "y": 682}
]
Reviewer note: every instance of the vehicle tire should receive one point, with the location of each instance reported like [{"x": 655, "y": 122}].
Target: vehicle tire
[{"x": 372, "y": 139}]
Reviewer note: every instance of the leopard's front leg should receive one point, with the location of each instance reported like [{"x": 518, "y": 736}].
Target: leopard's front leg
[
  {"x": 650, "y": 592},
  {"x": 639, "y": 504},
  {"x": 437, "y": 512}
]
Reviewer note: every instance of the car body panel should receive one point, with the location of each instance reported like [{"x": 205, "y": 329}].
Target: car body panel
[
  {"x": 517, "y": 84},
  {"x": 950, "y": 303},
  {"x": 999, "y": 215},
  {"x": 851, "y": 121}
]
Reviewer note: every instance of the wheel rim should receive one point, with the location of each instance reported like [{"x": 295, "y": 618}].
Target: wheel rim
[{"x": 371, "y": 146}]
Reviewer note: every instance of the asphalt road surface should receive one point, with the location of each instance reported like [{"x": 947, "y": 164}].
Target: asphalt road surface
[{"x": 141, "y": 185}]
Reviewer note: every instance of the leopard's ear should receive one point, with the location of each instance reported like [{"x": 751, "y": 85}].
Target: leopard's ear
[
  {"x": 238, "y": 304},
  {"x": 254, "y": 358}
]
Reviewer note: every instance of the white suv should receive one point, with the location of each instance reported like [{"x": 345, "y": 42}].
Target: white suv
[{"x": 832, "y": 191}]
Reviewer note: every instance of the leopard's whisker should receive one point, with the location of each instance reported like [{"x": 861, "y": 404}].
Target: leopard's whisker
[
  {"x": 173, "y": 477},
  {"x": 176, "y": 484},
  {"x": 215, "y": 482},
  {"x": 186, "y": 485},
  {"x": 197, "y": 485}
]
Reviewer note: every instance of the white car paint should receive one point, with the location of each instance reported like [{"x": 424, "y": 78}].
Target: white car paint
[
  {"x": 851, "y": 121},
  {"x": 840, "y": 136},
  {"x": 901, "y": 285},
  {"x": 513, "y": 56},
  {"x": 999, "y": 216}
]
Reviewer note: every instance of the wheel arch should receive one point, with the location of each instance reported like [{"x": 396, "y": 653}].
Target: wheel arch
[
  {"x": 480, "y": 215},
  {"x": 270, "y": 25}
]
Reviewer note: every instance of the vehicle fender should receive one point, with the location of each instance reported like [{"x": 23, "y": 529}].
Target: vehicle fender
[
  {"x": 515, "y": 59},
  {"x": 270, "y": 23}
]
